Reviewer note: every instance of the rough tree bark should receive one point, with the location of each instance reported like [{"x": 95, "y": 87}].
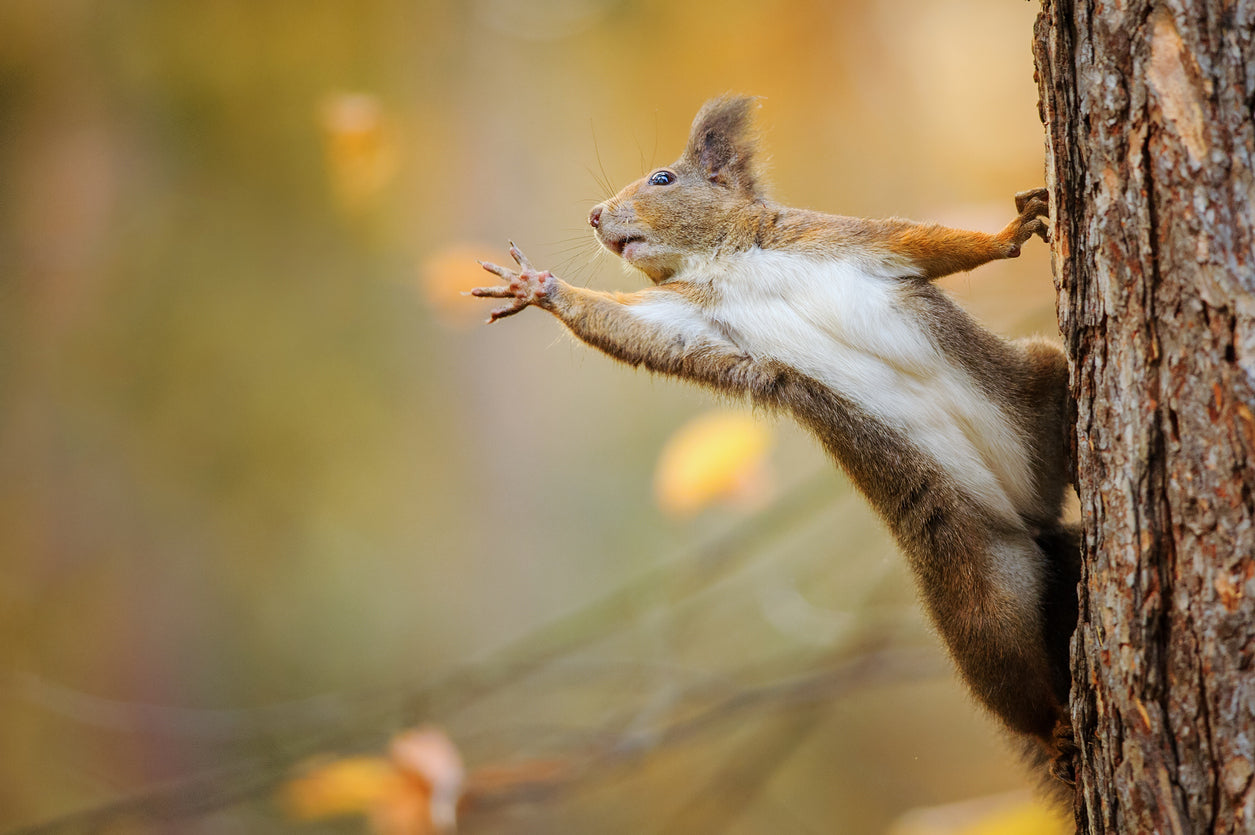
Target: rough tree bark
[{"x": 1149, "y": 112}]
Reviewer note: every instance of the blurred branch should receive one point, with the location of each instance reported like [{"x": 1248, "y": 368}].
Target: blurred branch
[
  {"x": 686, "y": 577},
  {"x": 724, "y": 797},
  {"x": 496, "y": 786},
  {"x": 597, "y": 620},
  {"x": 139, "y": 717},
  {"x": 872, "y": 664}
]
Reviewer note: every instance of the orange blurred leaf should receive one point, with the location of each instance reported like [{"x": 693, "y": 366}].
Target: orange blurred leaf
[
  {"x": 715, "y": 456},
  {"x": 445, "y": 275},
  {"x": 407, "y": 814},
  {"x": 413, "y": 792},
  {"x": 361, "y": 148},
  {"x": 342, "y": 787}
]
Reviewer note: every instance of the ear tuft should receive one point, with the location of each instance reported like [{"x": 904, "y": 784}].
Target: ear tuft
[{"x": 722, "y": 141}]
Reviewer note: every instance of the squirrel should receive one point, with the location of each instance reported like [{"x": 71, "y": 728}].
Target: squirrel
[{"x": 957, "y": 437}]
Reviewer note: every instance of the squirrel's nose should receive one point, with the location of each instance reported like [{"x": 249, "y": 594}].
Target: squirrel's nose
[{"x": 594, "y": 217}]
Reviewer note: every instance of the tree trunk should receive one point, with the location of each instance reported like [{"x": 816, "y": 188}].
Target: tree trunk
[{"x": 1150, "y": 153}]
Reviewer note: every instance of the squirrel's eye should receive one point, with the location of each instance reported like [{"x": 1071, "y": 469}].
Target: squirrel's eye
[{"x": 661, "y": 178}]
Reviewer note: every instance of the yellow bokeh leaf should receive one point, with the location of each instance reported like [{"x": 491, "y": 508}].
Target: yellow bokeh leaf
[
  {"x": 1028, "y": 818},
  {"x": 1015, "y": 813},
  {"x": 355, "y": 785},
  {"x": 716, "y": 456},
  {"x": 415, "y": 791},
  {"x": 361, "y": 148}
]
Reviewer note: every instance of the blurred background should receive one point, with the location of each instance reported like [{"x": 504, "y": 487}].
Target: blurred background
[{"x": 271, "y": 490}]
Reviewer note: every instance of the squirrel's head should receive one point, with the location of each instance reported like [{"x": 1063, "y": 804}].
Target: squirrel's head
[{"x": 694, "y": 207}]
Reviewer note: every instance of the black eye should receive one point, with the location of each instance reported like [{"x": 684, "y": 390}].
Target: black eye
[{"x": 661, "y": 178}]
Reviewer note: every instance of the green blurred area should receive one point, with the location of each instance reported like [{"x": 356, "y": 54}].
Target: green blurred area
[{"x": 255, "y": 448}]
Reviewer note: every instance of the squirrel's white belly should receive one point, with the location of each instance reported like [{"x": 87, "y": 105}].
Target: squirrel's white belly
[{"x": 841, "y": 324}]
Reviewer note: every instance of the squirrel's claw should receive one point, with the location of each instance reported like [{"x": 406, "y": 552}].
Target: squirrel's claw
[
  {"x": 507, "y": 310},
  {"x": 497, "y": 271},
  {"x": 519, "y": 257},
  {"x": 1037, "y": 226},
  {"x": 498, "y": 292},
  {"x": 1034, "y": 210},
  {"x": 1023, "y": 198}
]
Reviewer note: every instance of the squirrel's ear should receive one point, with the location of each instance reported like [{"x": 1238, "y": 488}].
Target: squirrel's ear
[{"x": 722, "y": 142}]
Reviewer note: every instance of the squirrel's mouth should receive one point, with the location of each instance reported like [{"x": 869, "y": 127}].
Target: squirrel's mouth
[{"x": 617, "y": 245}]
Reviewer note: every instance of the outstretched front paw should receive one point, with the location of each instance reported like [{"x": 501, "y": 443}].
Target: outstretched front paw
[
  {"x": 524, "y": 287},
  {"x": 1034, "y": 209}
]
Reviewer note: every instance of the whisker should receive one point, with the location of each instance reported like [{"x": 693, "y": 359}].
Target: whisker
[
  {"x": 653, "y": 157},
  {"x": 570, "y": 255},
  {"x": 591, "y": 263},
  {"x": 600, "y": 183},
  {"x": 605, "y": 178},
  {"x": 581, "y": 238},
  {"x": 573, "y": 233},
  {"x": 569, "y": 248},
  {"x": 584, "y": 268},
  {"x": 573, "y": 255}
]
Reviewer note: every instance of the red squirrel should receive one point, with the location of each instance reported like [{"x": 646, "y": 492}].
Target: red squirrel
[{"x": 957, "y": 437}]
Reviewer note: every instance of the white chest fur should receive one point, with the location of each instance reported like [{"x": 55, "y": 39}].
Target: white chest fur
[{"x": 841, "y": 323}]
